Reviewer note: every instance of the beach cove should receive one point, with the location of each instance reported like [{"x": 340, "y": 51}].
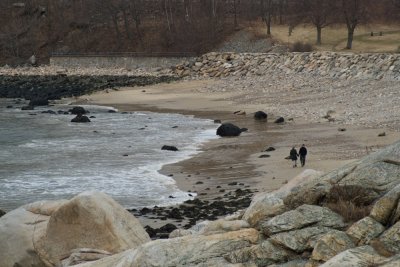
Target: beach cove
[
  {"x": 228, "y": 164},
  {"x": 340, "y": 210}
]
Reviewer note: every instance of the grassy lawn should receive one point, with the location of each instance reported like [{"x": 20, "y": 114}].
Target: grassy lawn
[{"x": 334, "y": 38}]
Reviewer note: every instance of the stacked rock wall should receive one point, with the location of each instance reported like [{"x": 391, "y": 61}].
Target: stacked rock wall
[{"x": 330, "y": 64}]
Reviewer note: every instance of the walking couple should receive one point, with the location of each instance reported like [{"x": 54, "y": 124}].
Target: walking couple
[{"x": 302, "y": 153}]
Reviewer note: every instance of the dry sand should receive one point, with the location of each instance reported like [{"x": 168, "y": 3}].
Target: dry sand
[{"x": 227, "y": 160}]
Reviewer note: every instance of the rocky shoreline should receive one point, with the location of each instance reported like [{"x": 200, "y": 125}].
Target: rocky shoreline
[
  {"x": 347, "y": 217},
  {"x": 52, "y": 87}
]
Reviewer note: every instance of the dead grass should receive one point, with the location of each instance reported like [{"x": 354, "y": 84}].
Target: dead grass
[
  {"x": 351, "y": 202},
  {"x": 334, "y": 38}
]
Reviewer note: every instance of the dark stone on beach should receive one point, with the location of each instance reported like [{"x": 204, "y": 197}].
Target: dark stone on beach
[
  {"x": 111, "y": 111},
  {"x": 228, "y": 129},
  {"x": 145, "y": 211},
  {"x": 269, "y": 149},
  {"x": 174, "y": 127},
  {"x": 280, "y": 120},
  {"x": 260, "y": 115},
  {"x": 9, "y": 107},
  {"x": 264, "y": 156},
  {"x": 27, "y": 108},
  {"x": 2, "y": 213},
  {"x": 92, "y": 117},
  {"x": 141, "y": 129},
  {"x": 80, "y": 119},
  {"x": 233, "y": 183},
  {"x": 217, "y": 121},
  {"x": 168, "y": 228},
  {"x": 382, "y": 134},
  {"x": 49, "y": 112},
  {"x": 218, "y": 186},
  {"x": 66, "y": 113},
  {"x": 39, "y": 102},
  {"x": 199, "y": 182},
  {"x": 171, "y": 197},
  {"x": 78, "y": 110},
  {"x": 125, "y": 155},
  {"x": 151, "y": 231},
  {"x": 169, "y": 148},
  {"x": 222, "y": 190},
  {"x": 61, "y": 112},
  {"x": 342, "y": 129},
  {"x": 175, "y": 214}
]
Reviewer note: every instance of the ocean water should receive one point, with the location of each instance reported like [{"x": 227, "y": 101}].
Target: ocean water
[{"x": 45, "y": 157}]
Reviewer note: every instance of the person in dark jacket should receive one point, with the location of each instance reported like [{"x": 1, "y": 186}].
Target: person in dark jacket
[
  {"x": 293, "y": 156},
  {"x": 303, "y": 154}
]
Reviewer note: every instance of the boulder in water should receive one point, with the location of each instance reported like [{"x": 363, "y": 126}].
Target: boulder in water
[
  {"x": 80, "y": 118},
  {"x": 169, "y": 148},
  {"x": 228, "y": 129}
]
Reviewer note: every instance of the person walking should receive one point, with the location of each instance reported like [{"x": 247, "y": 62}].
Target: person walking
[
  {"x": 303, "y": 154},
  {"x": 293, "y": 156}
]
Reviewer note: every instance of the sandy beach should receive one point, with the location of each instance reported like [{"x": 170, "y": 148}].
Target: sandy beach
[{"x": 228, "y": 160}]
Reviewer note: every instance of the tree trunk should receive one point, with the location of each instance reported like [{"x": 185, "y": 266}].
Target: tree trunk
[
  {"x": 319, "y": 35},
  {"x": 268, "y": 22},
  {"x": 350, "y": 35},
  {"x": 235, "y": 13}
]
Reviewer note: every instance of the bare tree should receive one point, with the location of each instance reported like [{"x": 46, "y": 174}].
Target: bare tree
[
  {"x": 354, "y": 13},
  {"x": 268, "y": 10},
  {"x": 320, "y": 13}
]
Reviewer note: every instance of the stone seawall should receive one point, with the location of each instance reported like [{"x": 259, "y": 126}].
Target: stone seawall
[
  {"x": 329, "y": 64},
  {"x": 116, "y": 61}
]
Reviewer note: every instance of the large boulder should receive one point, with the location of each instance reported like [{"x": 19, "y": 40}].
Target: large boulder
[
  {"x": 267, "y": 205},
  {"x": 301, "y": 239},
  {"x": 377, "y": 174},
  {"x": 19, "y": 231},
  {"x": 391, "y": 238},
  {"x": 2, "y": 213},
  {"x": 228, "y": 129},
  {"x": 330, "y": 245},
  {"x": 365, "y": 230},
  {"x": 262, "y": 254},
  {"x": 384, "y": 210},
  {"x": 90, "y": 220},
  {"x": 88, "y": 226},
  {"x": 182, "y": 251},
  {"x": 301, "y": 217},
  {"x": 360, "y": 256}
]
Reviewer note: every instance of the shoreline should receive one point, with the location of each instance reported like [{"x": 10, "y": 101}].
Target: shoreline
[{"x": 236, "y": 160}]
